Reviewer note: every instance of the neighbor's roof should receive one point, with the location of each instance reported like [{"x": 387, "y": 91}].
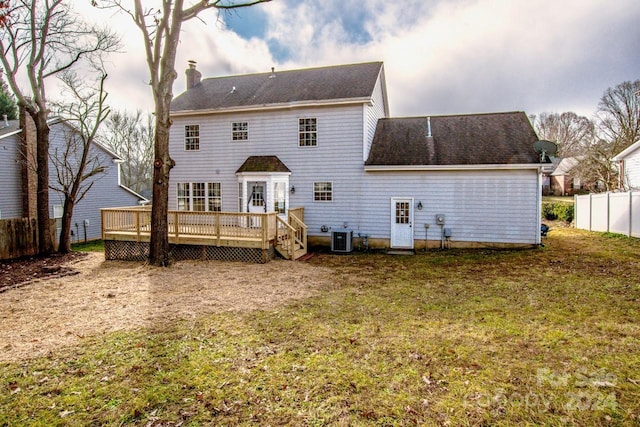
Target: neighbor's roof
[
  {"x": 565, "y": 165},
  {"x": 14, "y": 127},
  {"x": 281, "y": 87},
  {"x": 263, "y": 164},
  {"x": 474, "y": 139}
]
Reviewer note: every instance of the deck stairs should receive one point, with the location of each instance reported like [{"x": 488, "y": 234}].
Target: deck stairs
[{"x": 291, "y": 238}]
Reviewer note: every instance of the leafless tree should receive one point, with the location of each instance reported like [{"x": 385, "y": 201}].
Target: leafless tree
[
  {"x": 77, "y": 163},
  {"x": 161, "y": 28},
  {"x": 571, "y": 132},
  {"x": 618, "y": 115},
  {"x": 40, "y": 40},
  {"x": 130, "y": 135}
]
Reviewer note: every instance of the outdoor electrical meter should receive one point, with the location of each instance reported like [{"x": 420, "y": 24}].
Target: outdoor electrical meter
[{"x": 440, "y": 219}]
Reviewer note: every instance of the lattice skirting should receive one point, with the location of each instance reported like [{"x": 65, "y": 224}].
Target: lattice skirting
[{"x": 139, "y": 251}]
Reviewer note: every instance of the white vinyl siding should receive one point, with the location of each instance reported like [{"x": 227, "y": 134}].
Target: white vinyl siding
[
  {"x": 10, "y": 177},
  {"x": 632, "y": 171},
  {"x": 373, "y": 112}
]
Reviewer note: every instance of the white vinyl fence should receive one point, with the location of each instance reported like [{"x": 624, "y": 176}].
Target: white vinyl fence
[{"x": 609, "y": 212}]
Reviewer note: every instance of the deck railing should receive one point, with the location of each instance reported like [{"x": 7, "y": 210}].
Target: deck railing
[{"x": 135, "y": 224}]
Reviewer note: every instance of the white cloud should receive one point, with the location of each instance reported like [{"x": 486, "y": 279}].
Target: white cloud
[{"x": 441, "y": 56}]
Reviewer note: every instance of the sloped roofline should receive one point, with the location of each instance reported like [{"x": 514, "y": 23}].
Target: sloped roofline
[
  {"x": 624, "y": 153},
  {"x": 344, "y": 84}
]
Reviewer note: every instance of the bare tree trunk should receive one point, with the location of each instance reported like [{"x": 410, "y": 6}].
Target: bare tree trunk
[
  {"x": 42, "y": 200},
  {"x": 64, "y": 246},
  {"x": 159, "y": 244}
]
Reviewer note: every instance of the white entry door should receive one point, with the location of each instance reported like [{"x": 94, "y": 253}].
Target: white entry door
[{"x": 402, "y": 223}]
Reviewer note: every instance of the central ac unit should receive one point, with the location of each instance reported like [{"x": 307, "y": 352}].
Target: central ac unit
[{"x": 341, "y": 241}]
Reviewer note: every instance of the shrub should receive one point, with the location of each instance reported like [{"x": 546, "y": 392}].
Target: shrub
[{"x": 555, "y": 210}]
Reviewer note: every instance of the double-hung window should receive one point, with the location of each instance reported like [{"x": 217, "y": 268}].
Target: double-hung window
[
  {"x": 199, "y": 196},
  {"x": 192, "y": 137},
  {"x": 323, "y": 191},
  {"x": 239, "y": 131},
  {"x": 308, "y": 132}
]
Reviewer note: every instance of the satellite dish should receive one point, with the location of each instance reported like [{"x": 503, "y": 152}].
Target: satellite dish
[{"x": 546, "y": 149}]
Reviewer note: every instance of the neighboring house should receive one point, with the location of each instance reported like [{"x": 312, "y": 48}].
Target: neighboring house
[
  {"x": 322, "y": 139},
  {"x": 562, "y": 180},
  {"x": 629, "y": 163},
  {"x": 19, "y": 181}
]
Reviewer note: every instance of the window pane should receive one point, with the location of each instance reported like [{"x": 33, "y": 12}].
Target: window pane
[
  {"x": 279, "y": 197},
  {"x": 198, "y": 196},
  {"x": 402, "y": 213},
  {"x": 215, "y": 197},
  {"x": 183, "y": 196},
  {"x": 307, "y": 132},
  {"x": 240, "y": 131},
  {"x": 192, "y": 137},
  {"x": 322, "y": 191}
]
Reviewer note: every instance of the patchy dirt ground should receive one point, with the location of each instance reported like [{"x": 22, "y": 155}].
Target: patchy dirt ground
[{"x": 85, "y": 296}]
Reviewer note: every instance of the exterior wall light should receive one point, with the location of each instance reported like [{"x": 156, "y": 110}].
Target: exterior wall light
[
  {"x": 293, "y": 189},
  {"x": 419, "y": 206}
]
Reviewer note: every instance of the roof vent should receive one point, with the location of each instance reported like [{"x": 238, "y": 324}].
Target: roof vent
[
  {"x": 273, "y": 73},
  {"x": 429, "y": 127},
  {"x": 233, "y": 90}
]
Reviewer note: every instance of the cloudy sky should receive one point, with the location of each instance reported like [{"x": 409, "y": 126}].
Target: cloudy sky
[{"x": 440, "y": 56}]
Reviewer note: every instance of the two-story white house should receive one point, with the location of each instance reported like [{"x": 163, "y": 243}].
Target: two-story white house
[{"x": 322, "y": 139}]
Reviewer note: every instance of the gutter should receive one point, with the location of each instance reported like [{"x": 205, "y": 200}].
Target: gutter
[
  {"x": 422, "y": 168},
  {"x": 279, "y": 106}
]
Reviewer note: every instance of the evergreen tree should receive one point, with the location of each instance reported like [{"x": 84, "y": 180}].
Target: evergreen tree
[{"x": 7, "y": 103}]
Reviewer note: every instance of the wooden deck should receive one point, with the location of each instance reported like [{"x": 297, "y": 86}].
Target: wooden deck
[{"x": 221, "y": 229}]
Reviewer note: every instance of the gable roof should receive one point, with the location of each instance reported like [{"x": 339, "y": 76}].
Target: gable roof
[
  {"x": 627, "y": 151},
  {"x": 565, "y": 165},
  {"x": 460, "y": 140},
  {"x": 263, "y": 164},
  {"x": 354, "y": 82}
]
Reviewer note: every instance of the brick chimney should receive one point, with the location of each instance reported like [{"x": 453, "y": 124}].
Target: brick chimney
[
  {"x": 28, "y": 168},
  {"x": 193, "y": 75}
]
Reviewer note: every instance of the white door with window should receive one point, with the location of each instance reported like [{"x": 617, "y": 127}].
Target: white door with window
[
  {"x": 257, "y": 197},
  {"x": 402, "y": 223}
]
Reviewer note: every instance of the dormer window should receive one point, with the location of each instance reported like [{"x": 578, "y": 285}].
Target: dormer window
[
  {"x": 192, "y": 137},
  {"x": 308, "y": 132}
]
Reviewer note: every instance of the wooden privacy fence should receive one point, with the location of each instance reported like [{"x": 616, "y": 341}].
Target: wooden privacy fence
[
  {"x": 609, "y": 212},
  {"x": 19, "y": 237}
]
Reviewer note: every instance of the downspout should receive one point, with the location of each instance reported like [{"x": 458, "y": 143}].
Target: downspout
[{"x": 539, "y": 207}]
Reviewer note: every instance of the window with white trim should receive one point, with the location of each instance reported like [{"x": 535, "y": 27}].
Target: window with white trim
[
  {"x": 279, "y": 197},
  {"x": 183, "y": 196},
  {"x": 239, "y": 131},
  {"x": 199, "y": 196},
  {"x": 323, "y": 191},
  {"x": 192, "y": 137},
  {"x": 215, "y": 197},
  {"x": 308, "y": 132}
]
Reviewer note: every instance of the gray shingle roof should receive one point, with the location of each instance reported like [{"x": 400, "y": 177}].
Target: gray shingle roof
[
  {"x": 14, "y": 125},
  {"x": 475, "y": 139},
  {"x": 263, "y": 164},
  {"x": 313, "y": 84}
]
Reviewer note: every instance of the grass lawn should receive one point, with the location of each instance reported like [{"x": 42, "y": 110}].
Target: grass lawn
[
  {"x": 558, "y": 199},
  {"x": 548, "y": 336},
  {"x": 90, "y": 246}
]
